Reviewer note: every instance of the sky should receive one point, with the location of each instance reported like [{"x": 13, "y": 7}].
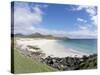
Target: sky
[{"x": 73, "y": 21}]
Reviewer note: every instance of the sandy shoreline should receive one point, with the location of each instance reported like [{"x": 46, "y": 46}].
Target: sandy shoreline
[{"x": 49, "y": 47}]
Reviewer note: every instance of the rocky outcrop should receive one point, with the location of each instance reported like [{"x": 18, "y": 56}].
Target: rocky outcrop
[
  {"x": 62, "y": 64},
  {"x": 71, "y": 63}
]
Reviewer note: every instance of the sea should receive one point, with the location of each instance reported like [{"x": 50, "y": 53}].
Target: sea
[{"x": 88, "y": 46}]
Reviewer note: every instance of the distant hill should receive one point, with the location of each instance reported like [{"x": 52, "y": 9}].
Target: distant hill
[
  {"x": 18, "y": 35},
  {"x": 39, "y": 35}
]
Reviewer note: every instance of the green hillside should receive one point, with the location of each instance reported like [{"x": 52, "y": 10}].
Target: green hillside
[{"x": 26, "y": 65}]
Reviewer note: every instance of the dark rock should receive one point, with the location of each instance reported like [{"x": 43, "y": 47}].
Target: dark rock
[{"x": 71, "y": 63}]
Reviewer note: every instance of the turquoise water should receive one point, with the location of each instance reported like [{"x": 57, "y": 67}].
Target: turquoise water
[{"x": 88, "y": 46}]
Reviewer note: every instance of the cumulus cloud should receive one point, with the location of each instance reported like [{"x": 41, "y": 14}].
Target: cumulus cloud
[
  {"x": 84, "y": 28},
  {"x": 43, "y": 6},
  {"x": 81, "y": 20},
  {"x": 94, "y": 20},
  {"x": 44, "y": 31},
  {"x": 91, "y": 10},
  {"x": 84, "y": 33},
  {"x": 26, "y": 17}
]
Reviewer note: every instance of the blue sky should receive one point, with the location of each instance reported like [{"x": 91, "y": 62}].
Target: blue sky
[{"x": 74, "y": 21}]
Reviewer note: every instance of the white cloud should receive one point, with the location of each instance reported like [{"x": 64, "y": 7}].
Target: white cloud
[
  {"x": 82, "y": 34},
  {"x": 25, "y": 19},
  {"x": 83, "y": 31},
  {"x": 83, "y": 27},
  {"x": 91, "y": 10},
  {"x": 37, "y": 10},
  {"x": 43, "y": 5},
  {"x": 78, "y": 8},
  {"x": 94, "y": 19},
  {"x": 81, "y": 20},
  {"x": 49, "y": 32}
]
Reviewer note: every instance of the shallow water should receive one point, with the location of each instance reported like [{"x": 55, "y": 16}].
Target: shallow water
[{"x": 88, "y": 46}]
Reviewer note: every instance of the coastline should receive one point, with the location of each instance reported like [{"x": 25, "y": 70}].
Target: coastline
[
  {"x": 41, "y": 49},
  {"x": 49, "y": 46}
]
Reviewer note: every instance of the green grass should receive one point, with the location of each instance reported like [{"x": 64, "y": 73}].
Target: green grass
[{"x": 23, "y": 64}]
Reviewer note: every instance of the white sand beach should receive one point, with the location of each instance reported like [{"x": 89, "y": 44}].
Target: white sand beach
[{"x": 49, "y": 47}]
